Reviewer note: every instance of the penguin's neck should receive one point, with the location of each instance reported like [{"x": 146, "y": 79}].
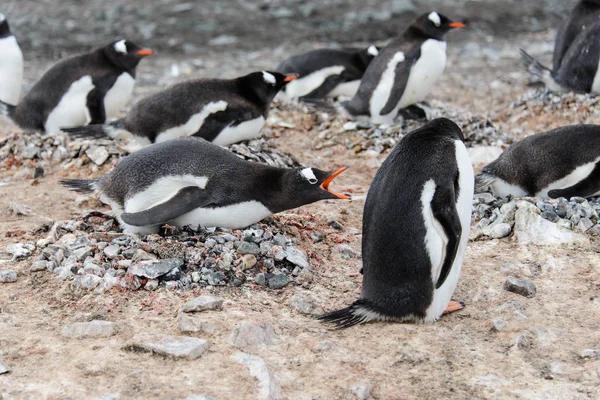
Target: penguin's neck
[
  {"x": 106, "y": 53},
  {"x": 246, "y": 88},
  {"x": 415, "y": 33},
  {"x": 271, "y": 187}
]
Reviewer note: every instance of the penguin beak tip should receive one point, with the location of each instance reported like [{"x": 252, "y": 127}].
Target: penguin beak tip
[
  {"x": 289, "y": 78},
  {"x": 144, "y": 52}
]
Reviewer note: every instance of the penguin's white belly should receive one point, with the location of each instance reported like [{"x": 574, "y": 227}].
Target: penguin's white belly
[
  {"x": 383, "y": 90},
  {"x": 346, "y": 89},
  {"x": 71, "y": 111},
  {"x": 245, "y": 131},
  {"x": 11, "y": 70},
  {"x": 303, "y": 86},
  {"x": 501, "y": 188},
  {"x": 193, "y": 124},
  {"x": 234, "y": 216},
  {"x": 576, "y": 176},
  {"x": 596, "y": 81},
  {"x": 118, "y": 95}
]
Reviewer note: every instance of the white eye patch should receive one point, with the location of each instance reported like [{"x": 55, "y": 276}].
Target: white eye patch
[
  {"x": 372, "y": 50},
  {"x": 269, "y": 78},
  {"x": 309, "y": 175},
  {"x": 2, "y": 17},
  {"x": 120, "y": 46},
  {"x": 435, "y": 18}
]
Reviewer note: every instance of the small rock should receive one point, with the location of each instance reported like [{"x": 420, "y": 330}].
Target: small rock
[
  {"x": 82, "y": 252},
  {"x": 7, "y": 276},
  {"x": 63, "y": 273},
  {"x": 192, "y": 324},
  {"x": 112, "y": 251},
  {"x": 97, "y": 154},
  {"x": 88, "y": 281},
  {"x": 590, "y": 353},
  {"x": 141, "y": 255},
  {"x": 296, "y": 257},
  {"x": 523, "y": 341},
  {"x": 362, "y": 392},
  {"x": 260, "y": 279},
  {"x": 499, "y": 324},
  {"x": 278, "y": 281},
  {"x": 558, "y": 368},
  {"x": 269, "y": 389},
  {"x": 170, "y": 346},
  {"x": 347, "y": 252},
  {"x": 497, "y": 231},
  {"x": 301, "y": 303},
  {"x": 151, "y": 285},
  {"x": 531, "y": 228},
  {"x": 248, "y": 261},
  {"x": 523, "y": 287},
  {"x": 154, "y": 269},
  {"x": 19, "y": 250},
  {"x": 280, "y": 240},
  {"x": 317, "y": 236},
  {"x": 95, "y": 328},
  {"x": 252, "y": 334},
  {"x": 336, "y": 225},
  {"x": 39, "y": 265},
  {"x": 248, "y": 248},
  {"x": 3, "y": 368},
  {"x": 202, "y": 303}
]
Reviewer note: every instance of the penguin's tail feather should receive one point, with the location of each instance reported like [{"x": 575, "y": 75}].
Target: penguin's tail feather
[
  {"x": 95, "y": 131},
  {"x": 483, "y": 181},
  {"x": 538, "y": 70},
  {"x": 6, "y": 109},
  {"x": 359, "y": 312},
  {"x": 321, "y": 105},
  {"x": 79, "y": 185}
]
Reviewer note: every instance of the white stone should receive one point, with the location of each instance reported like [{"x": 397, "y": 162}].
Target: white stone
[
  {"x": 8, "y": 276},
  {"x": 202, "y": 303},
  {"x": 530, "y": 228},
  {"x": 171, "y": 346},
  {"x": 252, "y": 334},
  {"x": 269, "y": 388},
  {"x": 95, "y": 328}
]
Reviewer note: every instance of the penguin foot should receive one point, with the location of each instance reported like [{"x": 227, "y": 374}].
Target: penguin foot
[{"x": 454, "y": 306}]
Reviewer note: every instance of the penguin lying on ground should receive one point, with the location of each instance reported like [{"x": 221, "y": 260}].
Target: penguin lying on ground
[
  {"x": 564, "y": 162},
  {"x": 404, "y": 71},
  {"x": 576, "y": 53},
  {"x": 189, "y": 181},
  {"x": 88, "y": 88},
  {"x": 11, "y": 65},
  {"x": 416, "y": 226},
  {"x": 222, "y": 111},
  {"x": 326, "y": 72}
]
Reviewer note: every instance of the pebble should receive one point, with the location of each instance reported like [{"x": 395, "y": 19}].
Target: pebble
[
  {"x": 523, "y": 287},
  {"x": 39, "y": 265},
  {"x": 63, "y": 273},
  {"x": 301, "y": 303},
  {"x": 88, "y": 281},
  {"x": 98, "y": 154},
  {"x": 151, "y": 285},
  {"x": 8, "y": 276},
  {"x": 590, "y": 353},
  {"x": 202, "y": 303},
  {"x": 154, "y": 269},
  {"x": 260, "y": 279},
  {"x": 19, "y": 250},
  {"x": 252, "y": 334},
  {"x": 296, "y": 257},
  {"x": 362, "y": 392},
  {"x": 112, "y": 251},
  {"x": 278, "y": 281},
  {"x": 498, "y": 231},
  {"x": 3, "y": 368},
  {"x": 189, "y": 323},
  {"x": 268, "y": 387},
  {"x": 82, "y": 252},
  {"x": 170, "y": 346},
  {"x": 95, "y": 328},
  {"x": 248, "y": 248},
  {"x": 499, "y": 325}
]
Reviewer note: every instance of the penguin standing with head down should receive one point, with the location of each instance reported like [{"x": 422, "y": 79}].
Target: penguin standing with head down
[
  {"x": 415, "y": 229},
  {"x": 88, "y": 88},
  {"x": 222, "y": 111},
  {"x": 189, "y": 181},
  {"x": 11, "y": 65},
  {"x": 404, "y": 71}
]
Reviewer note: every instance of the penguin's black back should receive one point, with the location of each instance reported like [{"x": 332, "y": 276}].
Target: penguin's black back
[
  {"x": 396, "y": 265},
  {"x": 584, "y": 15},
  {"x": 538, "y": 160},
  {"x": 315, "y": 60}
]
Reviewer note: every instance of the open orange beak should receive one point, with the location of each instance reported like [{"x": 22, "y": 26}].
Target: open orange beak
[
  {"x": 290, "y": 78},
  {"x": 326, "y": 182},
  {"x": 456, "y": 25},
  {"x": 144, "y": 52}
]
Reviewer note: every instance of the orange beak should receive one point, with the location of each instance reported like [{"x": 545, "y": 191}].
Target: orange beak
[
  {"x": 456, "y": 25},
  {"x": 290, "y": 78},
  {"x": 144, "y": 52},
  {"x": 326, "y": 182}
]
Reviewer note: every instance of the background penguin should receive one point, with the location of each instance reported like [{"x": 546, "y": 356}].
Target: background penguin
[
  {"x": 11, "y": 65},
  {"x": 218, "y": 110},
  {"x": 416, "y": 226},
  {"x": 564, "y": 162},
  {"x": 404, "y": 71},
  {"x": 88, "y": 88},
  {"x": 188, "y": 181},
  {"x": 326, "y": 72}
]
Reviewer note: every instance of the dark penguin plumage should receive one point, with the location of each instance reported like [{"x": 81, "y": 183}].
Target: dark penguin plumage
[
  {"x": 189, "y": 181},
  {"x": 404, "y": 71},
  {"x": 415, "y": 229},
  {"x": 79, "y": 90},
  {"x": 326, "y": 72},
  {"x": 11, "y": 65},
  {"x": 576, "y": 53},
  {"x": 564, "y": 162},
  {"x": 222, "y": 111}
]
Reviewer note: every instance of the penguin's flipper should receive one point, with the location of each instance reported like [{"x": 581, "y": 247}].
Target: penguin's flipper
[
  {"x": 400, "y": 81},
  {"x": 330, "y": 83},
  {"x": 584, "y": 188},
  {"x": 184, "y": 201},
  {"x": 214, "y": 124},
  {"x": 443, "y": 206}
]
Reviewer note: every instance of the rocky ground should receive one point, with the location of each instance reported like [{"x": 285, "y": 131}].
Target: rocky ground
[{"x": 88, "y": 312}]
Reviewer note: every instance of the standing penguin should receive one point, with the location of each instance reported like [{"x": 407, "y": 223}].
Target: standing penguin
[
  {"x": 11, "y": 65},
  {"x": 189, "y": 181},
  {"x": 563, "y": 162},
  {"x": 415, "y": 229},
  {"x": 222, "y": 111},
  {"x": 84, "y": 89},
  {"x": 405, "y": 70},
  {"x": 326, "y": 72}
]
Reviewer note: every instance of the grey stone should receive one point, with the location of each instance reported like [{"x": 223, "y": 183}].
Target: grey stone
[
  {"x": 590, "y": 353},
  {"x": 498, "y": 230},
  {"x": 268, "y": 387},
  {"x": 3, "y": 368},
  {"x": 584, "y": 224},
  {"x": 95, "y": 328},
  {"x": 499, "y": 324},
  {"x": 8, "y": 276},
  {"x": 530, "y": 228},
  {"x": 154, "y": 269},
  {"x": 88, "y": 281},
  {"x": 82, "y": 252},
  {"x": 248, "y": 261},
  {"x": 523, "y": 287},
  {"x": 347, "y": 252},
  {"x": 151, "y": 285},
  {"x": 63, "y": 273},
  {"x": 98, "y": 154},
  {"x": 202, "y": 303},
  {"x": 296, "y": 257},
  {"x": 112, "y": 251},
  {"x": 19, "y": 250},
  {"x": 317, "y": 236},
  {"x": 362, "y": 392},
  {"x": 193, "y": 324},
  {"x": 141, "y": 255},
  {"x": 301, "y": 303},
  {"x": 280, "y": 240},
  {"x": 252, "y": 334},
  {"x": 278, "y": 281},
  {"x": 248, "y": 248},
  {"x": 260, "y": 279},
  {"x": 170, "y": 346},
  {"x": 39, "y": 265}
]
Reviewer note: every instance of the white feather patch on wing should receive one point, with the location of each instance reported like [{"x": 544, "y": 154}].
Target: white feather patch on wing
[
  {"x": 306, "y": 84},
  {"x": 382, "y": 92},
  {"x": 162, "y": 190},
  {"x": 193, "y": 124}
]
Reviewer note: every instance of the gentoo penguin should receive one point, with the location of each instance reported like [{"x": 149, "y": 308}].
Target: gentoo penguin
[
  {"x": 584, "y": 15},
  {"x": 404, "y": 71},
  {"x": 11, "y": 65},
  {"x": 189, "y": 181},
  {"x": 564, "y": 162},
  {"x": 88, "y": 88},
  {"x": 218, "y": 110},
  {"x": 416, "y": 225},
  {"x": 326, "y": 72}
]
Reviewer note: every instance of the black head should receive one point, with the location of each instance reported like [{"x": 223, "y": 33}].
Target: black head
[
  {"x": 264, "y": 85},
  {"x": 434, "y": 25},
  {"x": 441, "y": 127},
  {"x": 368, "y": 54},
  {"x": 4, "y": 28},
  {"x": 125, "y": 54}
]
